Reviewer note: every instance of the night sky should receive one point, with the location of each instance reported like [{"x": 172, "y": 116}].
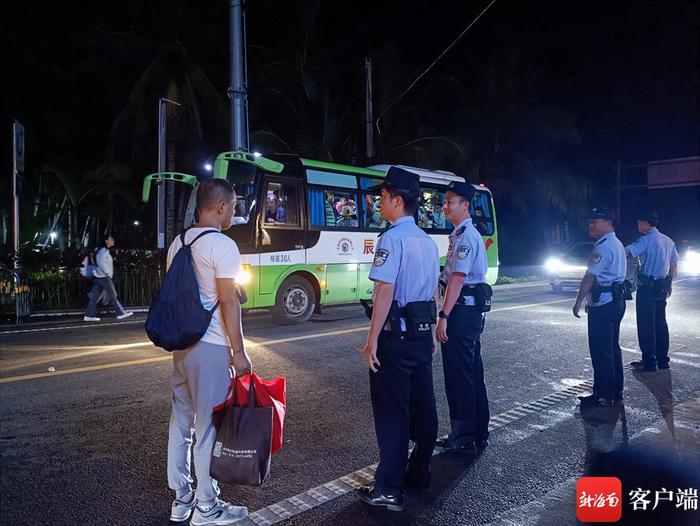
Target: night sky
[{"x": 625, "y": 72}]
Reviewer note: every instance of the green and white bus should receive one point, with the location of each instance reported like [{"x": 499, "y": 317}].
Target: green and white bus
[{"x": 307, "y": 230}]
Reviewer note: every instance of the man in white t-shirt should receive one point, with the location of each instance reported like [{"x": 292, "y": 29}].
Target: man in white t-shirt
[{"x": 201, "y": 375}]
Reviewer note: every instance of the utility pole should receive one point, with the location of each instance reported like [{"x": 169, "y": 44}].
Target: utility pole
[
  {"x": 368, "y": 108},
  {"x": 162, "y": 135},
  {"x": 618, "y": 188},
  {"x": 238, "y": 91},
  {"x": 18, "y": 154}
]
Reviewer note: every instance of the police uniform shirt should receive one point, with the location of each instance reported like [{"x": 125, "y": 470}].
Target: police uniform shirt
[
  {"x": 656, "y": 251},
  {"x": 608, "y": 264},
  {"x": 407, "y": 258},
  {"x": 466, "y": 254}
]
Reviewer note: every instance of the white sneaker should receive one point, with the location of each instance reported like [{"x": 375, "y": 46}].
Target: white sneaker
[
  {"x": 219, "y": 514},
  {"x": 125, "y": 315},
  {"x": 182, "y": 508},
  {"x": 90, "y": 318}
]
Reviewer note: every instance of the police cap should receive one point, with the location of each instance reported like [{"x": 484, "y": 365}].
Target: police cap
[
  {"x": 647, "y": 215},
  {"x": 601, "y": 212},
  {"x": 399, "y": 179},
  {"x": 464, "y": 189}
]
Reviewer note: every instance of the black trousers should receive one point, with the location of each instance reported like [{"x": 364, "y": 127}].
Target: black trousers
[
  {"x": 604, "y": 345},
  {"x": 652, "y": 329},
  {"x": 464, "y": 376},
  {"x": 403, "y": 403}
]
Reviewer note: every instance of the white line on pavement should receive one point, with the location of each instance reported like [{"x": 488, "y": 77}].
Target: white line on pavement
[
  {"x": 85, "y": 325},
  {"x": 314, "y": 497}
]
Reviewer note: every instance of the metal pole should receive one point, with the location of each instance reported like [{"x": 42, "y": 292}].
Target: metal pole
[
  {"x": 618, "y": 201},
  {"x": 161, "y": 168},
  {"x": 368, "y": 108},
  {"x": 237, "y": 91},
  {"x": 162, "y": 136},
  {"x": 17, "y": 144}
]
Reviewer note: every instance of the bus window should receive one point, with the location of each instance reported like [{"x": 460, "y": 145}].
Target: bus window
[
  {"x": 373, "y": 213},
  {"x": 430, "y": 214},
  {"x": 332, "y": 209},
  {"x": 481, "y": 213},
  {"x": 281, "y": 205}
]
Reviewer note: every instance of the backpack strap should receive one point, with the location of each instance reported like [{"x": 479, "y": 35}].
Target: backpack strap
[
  {"x": 182, "y": 236},
  {"x": 182, "y": 240},
  {"x": 203, "y": 234}
]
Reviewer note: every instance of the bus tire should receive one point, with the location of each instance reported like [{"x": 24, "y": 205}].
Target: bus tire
[{"x": 295, "y": 301}]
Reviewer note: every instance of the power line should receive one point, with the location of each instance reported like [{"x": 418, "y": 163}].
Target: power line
[{"x": 431, "y": 65}]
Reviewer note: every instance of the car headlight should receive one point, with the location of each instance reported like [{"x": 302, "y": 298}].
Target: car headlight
[
  {"x": 691, "y": 263},
  {"x": 553, "y": 265}
]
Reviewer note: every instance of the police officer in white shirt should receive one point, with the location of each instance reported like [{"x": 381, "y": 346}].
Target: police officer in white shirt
[
  {"x": 465, "y": 298},
  {"x": 602, "y": 287},
  {"x": 659, "y": 259},
  {"x": 399, "y": 349}
]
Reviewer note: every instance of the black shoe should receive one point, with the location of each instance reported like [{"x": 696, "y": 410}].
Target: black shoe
[
  {"x": 481, "y": 443},
  {"x": 374, "y": 497},
  {"x": 449, "y": 447},
  {"x": 664, "y": 366},
  {"x": 415, "y": 478},
  {"x": 642, "y": 367},
  {"x": 595, "y": 400},
  {"x": 618, "y": 397},
  {"x": 588, "y": 398}
]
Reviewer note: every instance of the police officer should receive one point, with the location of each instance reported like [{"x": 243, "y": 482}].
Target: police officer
[
  {"x": 464, "y": 295},
  {"x": 659, "y": 259},
  {"x": 602, "y": 287},
  {"x": 399, "y": 348}
]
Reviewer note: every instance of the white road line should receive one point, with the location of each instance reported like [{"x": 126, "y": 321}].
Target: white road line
[
  {"x": 85, "y": 325},
  {"x": 314, "y": 497}
]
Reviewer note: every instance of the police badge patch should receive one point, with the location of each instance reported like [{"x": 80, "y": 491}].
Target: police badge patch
[
  {"x": 462, "y": 251},
  {"x": 380, "y": 257},
  {"x": 594, "y": 258}
]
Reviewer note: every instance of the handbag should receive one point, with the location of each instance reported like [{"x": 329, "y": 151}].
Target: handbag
[
  {"x": 268, "y": 393},
  {"x": 243, "y": 447}
]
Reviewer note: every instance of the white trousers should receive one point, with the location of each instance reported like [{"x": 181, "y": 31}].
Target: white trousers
[{"x": 200, "y": 381}]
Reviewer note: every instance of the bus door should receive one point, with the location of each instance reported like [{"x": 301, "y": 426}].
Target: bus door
[{"x": 281, "y": 237}]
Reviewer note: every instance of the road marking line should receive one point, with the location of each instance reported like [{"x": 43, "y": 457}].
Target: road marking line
[
  {"x": 85, "y": 325},
  {"x": 571, "y": 300},
  {"x": 315, "y": 497},
  {"x": 251, "y": 344},
  {"x": 36, "y": 376}
]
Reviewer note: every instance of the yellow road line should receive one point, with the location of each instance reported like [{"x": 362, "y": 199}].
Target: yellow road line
[
  {"x": 81, "y": 369},
  {"x": 249, "y": 343}
]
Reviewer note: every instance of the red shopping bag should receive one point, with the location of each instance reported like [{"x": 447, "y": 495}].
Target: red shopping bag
[{"x": 268, "y": 393}]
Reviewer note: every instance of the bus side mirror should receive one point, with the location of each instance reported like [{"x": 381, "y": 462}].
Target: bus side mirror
[{"x": 221, "y": 169}]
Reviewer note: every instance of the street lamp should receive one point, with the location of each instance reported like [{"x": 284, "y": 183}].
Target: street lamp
[{"x": 162, "y": 121}]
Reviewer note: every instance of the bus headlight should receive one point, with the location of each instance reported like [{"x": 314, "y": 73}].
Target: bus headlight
[{"x": 244, "y": 276}]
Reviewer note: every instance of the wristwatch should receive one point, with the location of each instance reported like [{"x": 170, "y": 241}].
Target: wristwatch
[{"x": 442, "y": 315}]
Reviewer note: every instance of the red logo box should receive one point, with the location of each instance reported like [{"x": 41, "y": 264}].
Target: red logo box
[{"x": 598, "y": 499}]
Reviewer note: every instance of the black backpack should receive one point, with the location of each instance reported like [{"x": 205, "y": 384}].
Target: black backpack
[{"x": 177, "y": 319}]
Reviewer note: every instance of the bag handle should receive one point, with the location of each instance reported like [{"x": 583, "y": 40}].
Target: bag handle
[{"x": 251, "y": 392}]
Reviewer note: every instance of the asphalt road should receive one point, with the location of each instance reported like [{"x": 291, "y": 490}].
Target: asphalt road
[{"x": 84, "y": 412}]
